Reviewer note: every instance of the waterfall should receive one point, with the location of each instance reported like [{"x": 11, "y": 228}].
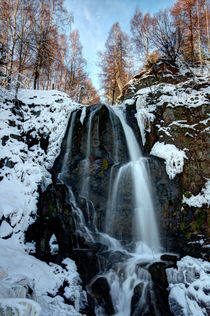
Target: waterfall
[
  {"x": 145, "y": 223},
  {"x": 68, "y": 154},
  {"x": 86, "y": 170},
  {"x": 130, "y": 274},
  {"x": 127, "y": 190}
]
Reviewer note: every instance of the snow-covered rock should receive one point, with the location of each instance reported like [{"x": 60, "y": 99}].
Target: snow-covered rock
[
  {"x": 25, "y": 160},
  {"x": 189, "y": 287},
  {"x": 31, "y": 141},
  {"x": 174, "y": 157}
]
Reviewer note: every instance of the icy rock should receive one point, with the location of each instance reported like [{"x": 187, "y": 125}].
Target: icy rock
[
  {"x": 19, "y": 307},
  {"x": 3, "y": 274},
  {"x": 5, "y": 229},
  {"x": 189, "y": 287}
]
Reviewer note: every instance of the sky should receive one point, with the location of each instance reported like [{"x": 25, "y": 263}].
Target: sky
[{"x": 94, "y": 19}]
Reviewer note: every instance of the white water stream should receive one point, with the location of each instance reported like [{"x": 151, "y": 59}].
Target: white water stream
[
  {"x": 146, "y": 228},
  {"x": 127, "y": 275}
]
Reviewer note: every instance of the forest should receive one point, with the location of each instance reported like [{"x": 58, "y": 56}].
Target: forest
[{"x": 40, "y": 49}]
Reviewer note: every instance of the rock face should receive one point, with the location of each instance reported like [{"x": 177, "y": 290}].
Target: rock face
[{"x": 177, "y": 107}]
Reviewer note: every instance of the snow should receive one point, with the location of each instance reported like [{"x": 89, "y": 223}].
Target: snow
[
  {"x": 189, "y": 287},
  {"x": 19, "y": 306},
  {"x": 129, "y": 102},
  {"x": 199, "y": 199},
  {"x": 174, "y": 157},
  {"x": 45, "y": 115},
  {"x": 42, "y": 277}
]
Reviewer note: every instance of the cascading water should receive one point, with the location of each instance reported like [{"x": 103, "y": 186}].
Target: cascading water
[
  {"x": 85, "y": 180},
  {"x": 123, "y": 277},
  {"x": 146, "y": 227},
  {"x": 68, "y": 154}
]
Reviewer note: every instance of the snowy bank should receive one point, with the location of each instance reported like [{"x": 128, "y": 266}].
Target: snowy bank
[
  {"x": 31, "y": 141},
  {"x": 20, "y": 272}
]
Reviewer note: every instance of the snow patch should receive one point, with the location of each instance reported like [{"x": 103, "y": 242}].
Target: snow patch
[
  {"x": 199, "y": 199},
  {"x": 174, "y": 157},
  {"x": 22, "y": 270}
]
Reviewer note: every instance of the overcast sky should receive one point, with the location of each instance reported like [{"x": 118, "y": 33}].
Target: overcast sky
[{"x": 94, "y": 18}]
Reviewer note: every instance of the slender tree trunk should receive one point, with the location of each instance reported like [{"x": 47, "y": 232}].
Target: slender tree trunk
[
  {"x": 13, "y": 44},
  {"x": 19, "y": 69},
  {"x": 36, "y": 77},
  {"x": 21, "y": 50},
  {"x": 191, "y": 36},
  {"x": 199, "y": 35},
  {"x": 207, "y": 27}
]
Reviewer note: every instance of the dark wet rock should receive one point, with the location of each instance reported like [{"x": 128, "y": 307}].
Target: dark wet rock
[
  {"x": 36, "y": 113},
  {"x": 44, "y": 142},
  {"x": 55, "y": 216},
  {"x": 157, "y": 271},
  {"x": 160, "y": 285},
  {"x": 137, "y": 308},
  {"x": 88, "y": 263},
  {"x": 171, "y": 258},
  {"x": 114, "y": 257},
  {"x": 17, "y": 137},
  {"x": 4, "y": 140},
  {"x": 166, "y": 195},
  {"x": 12, "y": 123},
  {"x": 7, "y": 163},
  {"x": 106, "y": 136},
  {"x": 100, "y": 291}
]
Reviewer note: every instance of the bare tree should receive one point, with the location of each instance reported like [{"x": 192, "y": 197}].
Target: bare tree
[
  {"x": 90, "y": 94},
  {"x": 141, "y": 29},
  {"x": 166, "y": 37},
  {"x": 115, "y": 63},
  {"x": 190, "y": 16},
  {"x": 76, "y": 76}
]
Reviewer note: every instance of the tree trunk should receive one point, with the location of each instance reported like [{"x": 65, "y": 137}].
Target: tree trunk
[
  {"x": 191, "y": 36},
  {"x": 207, "y": 27},
  {"x": 36, "y": 77},
  {"x": 13, "y": 45},
  {"x": 199, "y": 35}
]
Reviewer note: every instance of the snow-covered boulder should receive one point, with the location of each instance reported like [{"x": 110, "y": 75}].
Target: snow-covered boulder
[{"x": 189, "y": 287}]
